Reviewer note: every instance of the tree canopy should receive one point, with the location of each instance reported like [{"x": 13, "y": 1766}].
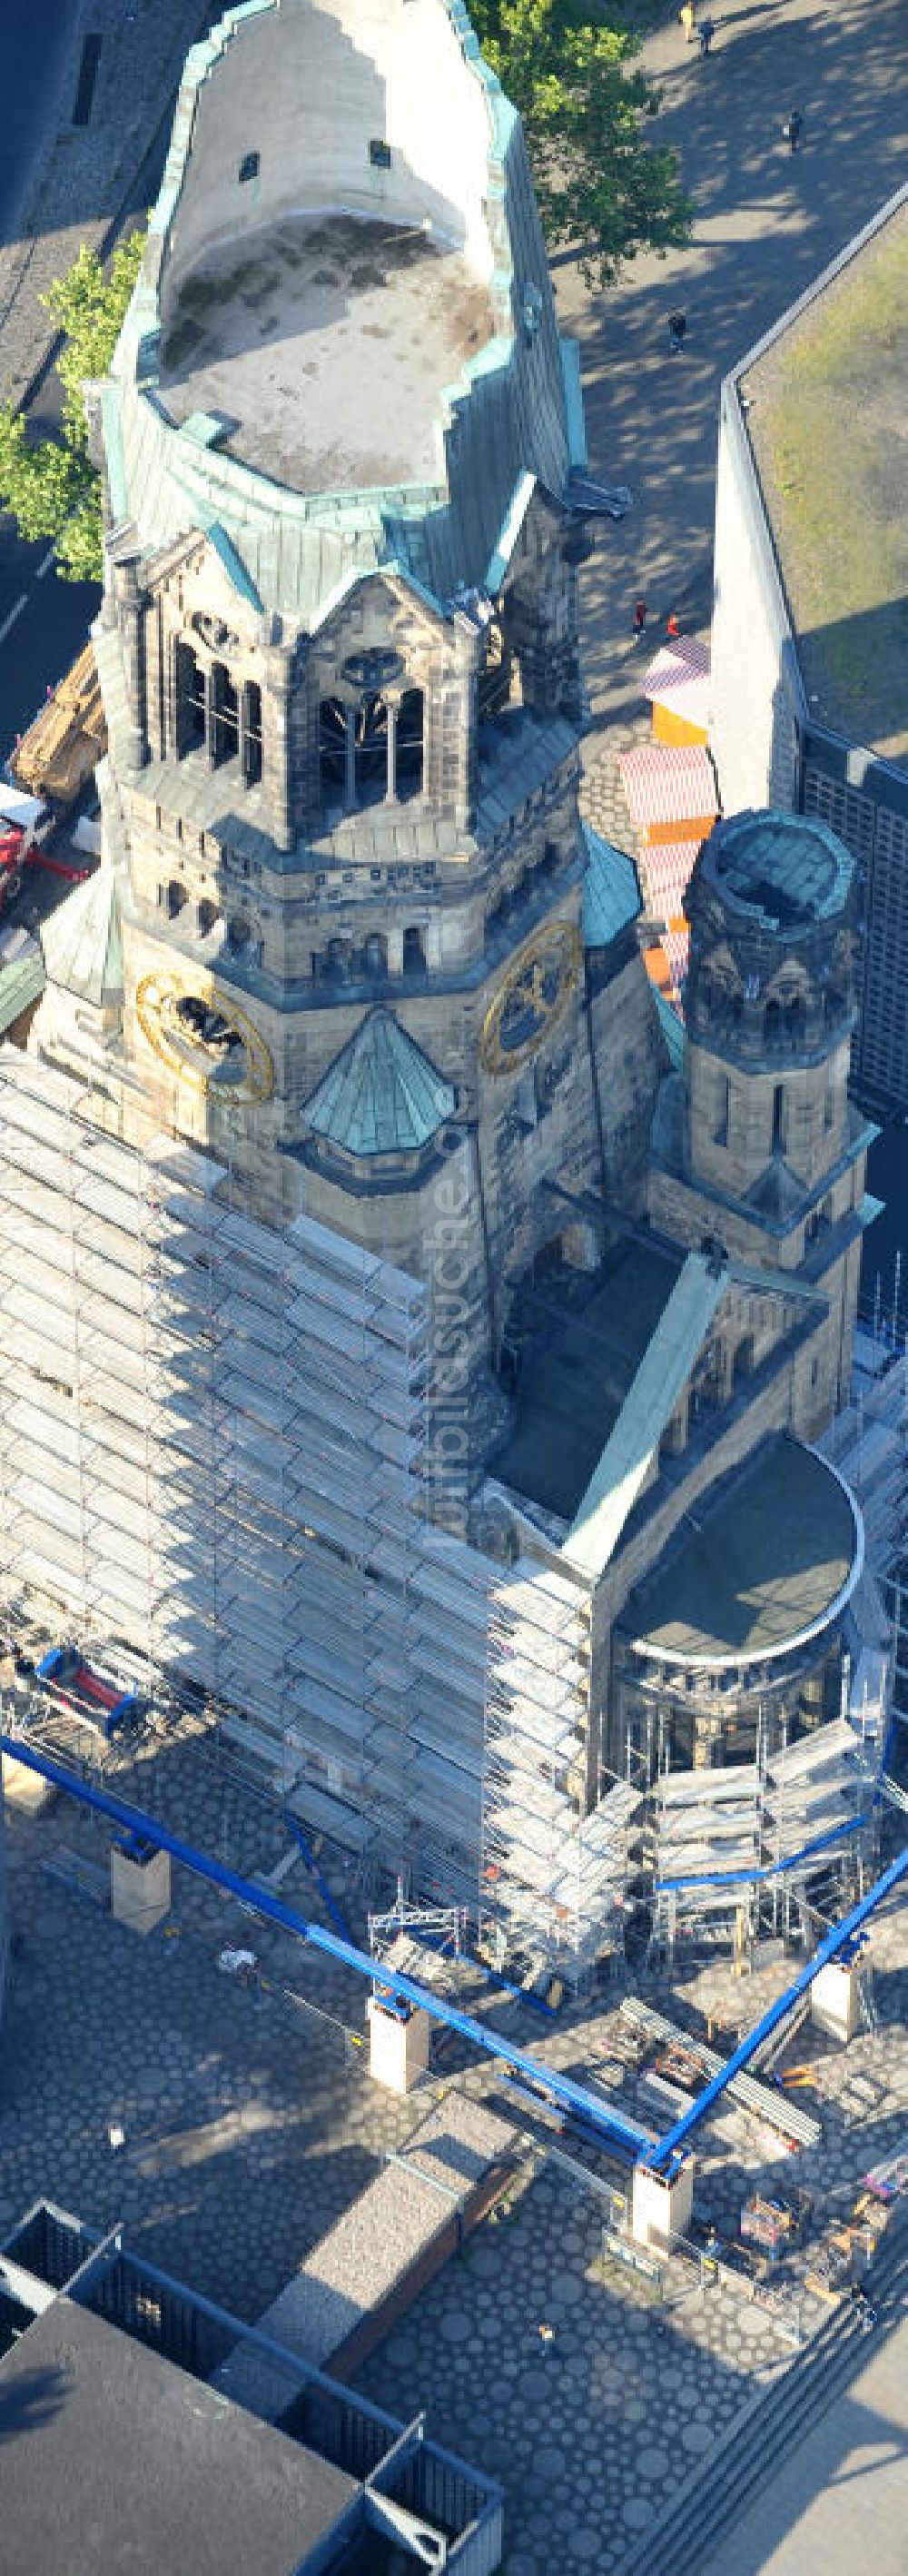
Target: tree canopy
[
  {"x": 51, "y": 487},
  {"x": 604, "y": 192}
]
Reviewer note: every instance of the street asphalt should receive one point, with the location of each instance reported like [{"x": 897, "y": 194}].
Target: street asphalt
[{"x": 34, "y": 42}]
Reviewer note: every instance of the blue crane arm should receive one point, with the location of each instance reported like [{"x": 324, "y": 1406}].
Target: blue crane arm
[
  {"x": 613, "y": 2126},
  {"x": 840, "y": 1938}
]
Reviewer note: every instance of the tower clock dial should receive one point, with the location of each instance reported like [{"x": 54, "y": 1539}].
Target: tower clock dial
[
  {"x": 200, "y": 1034},
  {"x": 539, "y": 983}
]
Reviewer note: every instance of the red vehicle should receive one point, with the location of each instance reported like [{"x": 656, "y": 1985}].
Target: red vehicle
[
  {"x": 12, "y": 852},
  {"x": 23, "y": 819},
  {"x": 26, "y": 831}
]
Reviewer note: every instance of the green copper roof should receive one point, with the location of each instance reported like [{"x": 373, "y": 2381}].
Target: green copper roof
[
  {"x": 81, "y": 941},
  {"x": 672, "y": 1027},
  {"x": 633, "y": 1444},
  {"x": 381, "y": 1095},
  {"x": 21, "y": 982},
  {"x": 788, "y": 869},
  {"x": 763, "y": 1563},
  {"x": 511, "y": 416},
  {"x": 611, "y": 894}
]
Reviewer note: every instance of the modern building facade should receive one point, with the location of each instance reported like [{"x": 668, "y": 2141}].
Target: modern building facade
[
  {"x": 137, "y": 2458},
  {"x": 809, "y": 662},
  {"x": 387, "y": 1305}
]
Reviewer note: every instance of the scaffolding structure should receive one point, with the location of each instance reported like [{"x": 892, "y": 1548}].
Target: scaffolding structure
[
  {"x": 209, "y": 1446},
  {"x": 706, "y": 1834},
  {"x": 447, "y": 1651},
  {"x": 745, "y": 1849},
  {"x": 822, "y": 1785},
  {"x": 552, "y": 1878}
]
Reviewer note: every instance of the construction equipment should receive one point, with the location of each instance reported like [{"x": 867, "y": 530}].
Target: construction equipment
[
  {"x": 64, "y": 744},
  {"x": 65, "y": 1677},
  {"x": 22, "y": 821}
]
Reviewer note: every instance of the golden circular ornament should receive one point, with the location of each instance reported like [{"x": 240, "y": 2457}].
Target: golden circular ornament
[
  {"x": 539, "y": 982},
  {"x": 203, "y": 1037}
]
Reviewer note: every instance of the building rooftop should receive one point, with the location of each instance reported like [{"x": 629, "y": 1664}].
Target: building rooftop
[
  {"x": 826, "y": 419},
  {"x": 325, "y": 348},
  {"x": 81, "y": 941},
  {"x": 611, "y": 890},
  {"x": 777, "y": 1546},
  {"x": 346, "y": 288},
  {"x": 121, "y": 2460},
  {"x": 632, "y": 1448},
  {"x": 572, "y": 1393},
  {"x": 785, "y": 869},
  {"x": 381, "y": 1095}
]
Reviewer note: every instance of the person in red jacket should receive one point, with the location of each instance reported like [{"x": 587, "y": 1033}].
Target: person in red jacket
[{"x": 640, "y": 613}]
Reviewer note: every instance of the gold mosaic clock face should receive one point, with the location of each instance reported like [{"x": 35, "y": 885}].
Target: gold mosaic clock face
[
  {"x": 201, "y": 1035},
  {"x": 540, "y": 981}
]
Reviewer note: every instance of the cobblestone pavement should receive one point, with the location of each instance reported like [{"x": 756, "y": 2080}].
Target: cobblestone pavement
[
  {"x": 592, "y": 2431},
  {"x": 250, "y": 2123}
]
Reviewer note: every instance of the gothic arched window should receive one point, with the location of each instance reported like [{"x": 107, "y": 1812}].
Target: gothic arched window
[
  {"x": 332, "y": 749},
  {"x": 191, "y": 715},
  {"x": 409, "y": 746},
  {"x": 370, "y": 749},
  {"x": 252, "y": 733},
  {"x": 494, "y": 672},
  {"x": 225, "y": 715}
]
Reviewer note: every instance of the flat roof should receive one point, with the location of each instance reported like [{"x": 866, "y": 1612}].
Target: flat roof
[
  {"x": 115, "y": 2459},
  {"x": 827, "y": 428},
  {"x": 785, "y": 869},
  {"x": 571, "y": 1396},
  {"x": 767, "y": 1563},
  {"x": 326, "y": 348}
]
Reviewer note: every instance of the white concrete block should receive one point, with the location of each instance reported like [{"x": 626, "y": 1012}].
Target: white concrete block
[
  {"x": 661, "y": 2209},
  {"x": 139, "y": 1887},
  {"x": 398, "y": 2049},
  {"x": 25, "y": 1790},
  {"x": 835, "y": 1999}
]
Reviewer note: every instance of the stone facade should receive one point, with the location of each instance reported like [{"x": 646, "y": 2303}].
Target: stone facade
[{"x": 354, "y": 1042}]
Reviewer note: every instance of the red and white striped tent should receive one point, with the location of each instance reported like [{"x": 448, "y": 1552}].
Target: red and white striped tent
[
  {"x": 670, "y": 792},
  {"x": 678, "y": 678},
  {"x": 665, "y": 870},
  {"x": 676, "y": 943}
]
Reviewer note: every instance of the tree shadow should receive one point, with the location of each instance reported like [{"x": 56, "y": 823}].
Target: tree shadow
[{"x": 30, "y": 2396}]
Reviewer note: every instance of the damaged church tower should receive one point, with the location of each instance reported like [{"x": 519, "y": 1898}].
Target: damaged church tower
[{"x": 388, "y": 1352}]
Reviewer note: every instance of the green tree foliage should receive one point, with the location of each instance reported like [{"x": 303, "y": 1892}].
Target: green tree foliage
[
  {"x": 52, "y": 487},
  {"x": 603, "y": 191}
]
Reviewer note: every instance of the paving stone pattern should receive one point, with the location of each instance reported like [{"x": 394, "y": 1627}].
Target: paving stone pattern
[{"x": 251, "y": 2125}]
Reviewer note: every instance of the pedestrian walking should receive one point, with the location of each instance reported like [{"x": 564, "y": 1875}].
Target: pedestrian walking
[
  {"x": 794, "y": 129},
  {"x": 672, "y": 627},
  {"x": 677, "y": 326},
  {"x": 687, "y": 19},
  {"x": 706, "y": 32},
  {"x": 640, "y": 614}
]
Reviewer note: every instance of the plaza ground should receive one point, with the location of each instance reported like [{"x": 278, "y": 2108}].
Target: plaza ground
[{"x": 250, "y": 2123}]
